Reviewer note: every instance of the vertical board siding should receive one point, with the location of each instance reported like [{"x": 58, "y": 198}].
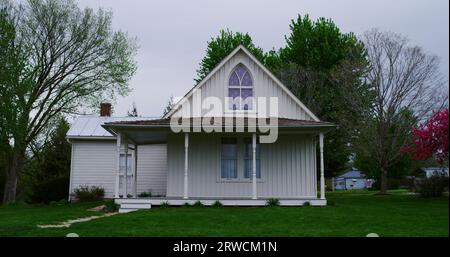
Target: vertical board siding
[
  {"x": 152, "y": 169},
  {"x": 287, "y": 168},
  {"x": 264, "y": 86},
  {"x": 94, "y": 164}
]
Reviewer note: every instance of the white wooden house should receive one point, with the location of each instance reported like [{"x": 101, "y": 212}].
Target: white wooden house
[{"x": 232, "y": 166}]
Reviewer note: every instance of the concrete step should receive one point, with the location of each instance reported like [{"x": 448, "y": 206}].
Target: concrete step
[
  {"x": 135, "y": 205},
  {"x": 122, "y": 210},
  {"x": 129, "y": 206},
  {"x": 132, "y": 200}
]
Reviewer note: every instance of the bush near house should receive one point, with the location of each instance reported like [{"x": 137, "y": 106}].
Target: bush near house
[
  {"x": 272, "y": 202},
  {"x": 89, "y": 193},
  {"x": 53, "y": 189},
  {"x": 217, "y": 204},
  {"x": 434, "y": 186}
]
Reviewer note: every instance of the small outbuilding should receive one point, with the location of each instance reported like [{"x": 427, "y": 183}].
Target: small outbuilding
[
  {"x": 430, "y": 171},
  {"x": 353, "y": 179}
]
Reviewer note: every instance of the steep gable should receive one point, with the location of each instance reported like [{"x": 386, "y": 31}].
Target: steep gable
[{"x": 265, "y": 84}]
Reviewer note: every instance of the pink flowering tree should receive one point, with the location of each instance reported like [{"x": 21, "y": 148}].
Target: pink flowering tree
[{"x": 430, "y": 139}]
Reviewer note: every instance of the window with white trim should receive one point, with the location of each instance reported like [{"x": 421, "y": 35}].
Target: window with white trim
[
  {"x": 240, "y": 89},
  {"x": 229, "y": 155}
]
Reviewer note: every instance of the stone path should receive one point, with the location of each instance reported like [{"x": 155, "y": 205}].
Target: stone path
[{"x": 67, "y": 224}]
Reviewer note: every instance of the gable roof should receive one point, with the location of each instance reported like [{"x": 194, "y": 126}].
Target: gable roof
[
  {"x": 352, "y": 174},
  {"x": 92, "y": 126},
  {"x": 260, "y": 65}
]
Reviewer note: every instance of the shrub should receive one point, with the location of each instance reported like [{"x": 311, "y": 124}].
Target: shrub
[
  {"x": 186, "y": 204},
  {"x": 145, "y": 194},
  {"x": 217, "y": 204},
  {"x": 306, "y": 204},
  {"x": 434, "y": 186},
  {"x": 272, "y": 202},
  {"x": 164, "y": 204},
  {"x": 198, "y": 204},
  {"x": 111, "y": 206},
  {"x": 50, "y": 190},
  {"x": 89, "y": 193}
]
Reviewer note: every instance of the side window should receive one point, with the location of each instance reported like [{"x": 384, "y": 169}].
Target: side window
[
  {"x": 248, "y": 159},
  {"x": 229, "y": 158}
]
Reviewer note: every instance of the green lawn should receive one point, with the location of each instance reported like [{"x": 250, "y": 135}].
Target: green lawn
[{"x": 349, "y": 214}]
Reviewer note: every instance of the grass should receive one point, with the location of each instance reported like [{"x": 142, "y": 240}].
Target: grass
[{"x": 348, "y": 214}]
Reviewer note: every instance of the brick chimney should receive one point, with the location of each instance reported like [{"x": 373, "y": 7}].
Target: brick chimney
[{"x": 105, "y": 109}]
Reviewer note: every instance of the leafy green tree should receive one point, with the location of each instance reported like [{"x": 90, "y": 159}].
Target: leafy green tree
[
  {"x": 403, "y": 166},
  {"x": 323, "y": 67},
  {"x": 46, "y": 176},
  {"x": 221, "y": 46},
  {"x": 73, "y": 60},
  {"x": 11, "y": 66}
]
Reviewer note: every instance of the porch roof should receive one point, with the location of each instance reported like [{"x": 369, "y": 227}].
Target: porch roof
[
  {"x": 225, "y": 121},
  {"x": 156, "y": 130}
]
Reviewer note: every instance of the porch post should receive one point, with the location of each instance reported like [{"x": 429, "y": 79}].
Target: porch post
[
  {"x": 186, "y": 150},
  {"x": 322, "y": 173},
  {"x": 118, "y": 143},
  {"x": 135, "y": 169},
  {"x": 254, "y": 166},
  {"x": 125, "y": 195}
]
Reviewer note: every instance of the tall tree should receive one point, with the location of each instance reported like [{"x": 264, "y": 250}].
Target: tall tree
[
  {"x": 222, "y": 45},
  {"x": 47, "y": 174},
  {"x": 74, "y": 59},
  {"x": 400, "y": 127},
  {"x": 402, "y": 77},
  {"x": 11, "y": 65},
  {"x": 323, "y": 67}
]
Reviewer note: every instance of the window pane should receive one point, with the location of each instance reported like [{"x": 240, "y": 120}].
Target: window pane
[
  {"x": 247, "y": 99},
  {"x": 229, "y": 158},
  {"x": 234, "y": 80},
  {"x": 234, "y": 98},
  {"x": 240, "y": 70},
  {"x": 122, "y": 163},
  {"x": 229, "y": 151},
  {"x": 247, "y": 80},
  {"x": 248, "y": 170},
  {"x": 229, "y": 168}
]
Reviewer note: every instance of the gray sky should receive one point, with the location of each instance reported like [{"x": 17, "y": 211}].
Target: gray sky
[{"x": 172, "y": 34}]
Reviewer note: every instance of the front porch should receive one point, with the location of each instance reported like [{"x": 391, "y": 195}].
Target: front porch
[{"x": 287, "y": 167}]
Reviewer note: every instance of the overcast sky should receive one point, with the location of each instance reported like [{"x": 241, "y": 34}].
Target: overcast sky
[{"x": 172, "y": 35}]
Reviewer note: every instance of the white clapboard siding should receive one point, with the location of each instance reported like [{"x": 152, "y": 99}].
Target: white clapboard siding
[
  {"x": 288, "y": 168},
  {"x": 94, "y": 164},
  {"x": 264, "y": 86}
]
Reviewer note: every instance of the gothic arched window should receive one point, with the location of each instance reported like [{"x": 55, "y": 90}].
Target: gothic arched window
[{"x": 240, "y": 89}]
